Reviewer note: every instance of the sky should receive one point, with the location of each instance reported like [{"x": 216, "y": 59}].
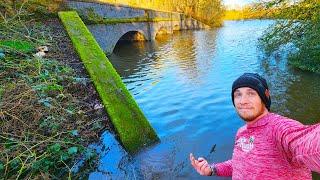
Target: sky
[{"x": 237, "y": 3}]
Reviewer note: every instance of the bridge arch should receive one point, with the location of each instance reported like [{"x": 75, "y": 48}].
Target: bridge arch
[
  {"x": 176, "y": 27},
  {"x": 130, "y": 35},
  {"x": 107, "y": 35},
  {"x": 134, "y": 35},
  {"x": 161, "y": 32}
]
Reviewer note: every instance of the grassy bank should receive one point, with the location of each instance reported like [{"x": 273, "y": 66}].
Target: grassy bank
[{"x": 49, "y": 109}]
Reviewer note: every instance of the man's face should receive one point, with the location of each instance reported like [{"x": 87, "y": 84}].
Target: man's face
[{"x": 248, "y": 103}]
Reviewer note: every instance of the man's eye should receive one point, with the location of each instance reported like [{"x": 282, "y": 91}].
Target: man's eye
[
  {"x": 252, "y": 94},
  {"x": 237, "y": 95}
]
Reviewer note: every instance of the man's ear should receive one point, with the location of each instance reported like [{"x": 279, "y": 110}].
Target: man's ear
[{"x": 267, "y": 93}]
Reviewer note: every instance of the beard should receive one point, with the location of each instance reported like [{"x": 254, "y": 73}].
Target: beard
[{"x": 249, "y": 116}]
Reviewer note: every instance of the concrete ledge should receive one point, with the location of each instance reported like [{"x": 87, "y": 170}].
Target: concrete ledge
[
  {"x": 130, "y": 123},
  {"x": 89, "y": 21}
]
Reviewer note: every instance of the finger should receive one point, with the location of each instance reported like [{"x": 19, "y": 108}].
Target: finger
[
  {"x": 201, "y": 163},
  {"x": 204, "y": 166},
  {"x": 202, "y": 169},
  {"x": 204, "y": 163},
  {"x": 201, "y": 159},
  {"x": 192, "y": 159}
]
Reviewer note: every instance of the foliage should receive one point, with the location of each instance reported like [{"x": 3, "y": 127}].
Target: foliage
[
  {"x": 35, "y": 8},
  {"x": 258, "y": 10},
  {"x": 207, "y": 11},
  {"x": 16, "y": 45},
  {"x": 40, "y": 110},
  {"x": 299, "y": 28}
]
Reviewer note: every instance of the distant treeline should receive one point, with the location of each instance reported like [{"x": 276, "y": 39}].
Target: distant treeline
[
  {"x": 297, "y": 25},
  {"x": 258, "y": 10},
  {"x": 207, "y": 11}
]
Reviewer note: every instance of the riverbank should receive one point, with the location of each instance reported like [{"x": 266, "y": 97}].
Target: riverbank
[{"x": 49, "y": 109}]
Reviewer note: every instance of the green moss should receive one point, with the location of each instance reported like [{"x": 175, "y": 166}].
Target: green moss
[
  {"x": 21, "y": 46},
  {"x": 130, "y": 123},
  {"x": 130, "y": 20},
  {"x": 89, "y": 16}
]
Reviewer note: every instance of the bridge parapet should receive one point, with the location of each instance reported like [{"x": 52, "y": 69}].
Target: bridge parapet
[
  {"x": 111, "y": 22},
  {"x": 106, "y": 10}
]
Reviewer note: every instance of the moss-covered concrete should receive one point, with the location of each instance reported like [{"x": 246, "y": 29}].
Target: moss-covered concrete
[
  {"x": 125, "y": 20},
  {"x": 130, "y": 123},
  {"x": 89, "y": 16}
]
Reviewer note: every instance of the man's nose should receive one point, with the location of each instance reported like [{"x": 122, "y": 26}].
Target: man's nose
[{"x": 243, "y": 99}]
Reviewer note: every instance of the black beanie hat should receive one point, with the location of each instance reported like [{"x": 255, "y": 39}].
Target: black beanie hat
[{"x": 256, "y": 82}]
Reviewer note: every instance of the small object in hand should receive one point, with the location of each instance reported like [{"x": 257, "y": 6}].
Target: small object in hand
[{"x": 213, "y": 148}]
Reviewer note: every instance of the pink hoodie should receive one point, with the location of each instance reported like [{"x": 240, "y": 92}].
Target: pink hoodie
[{"x": 274, "y": 147}]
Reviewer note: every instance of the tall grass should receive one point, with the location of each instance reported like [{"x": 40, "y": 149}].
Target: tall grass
[{"x": 46, "y": 124}]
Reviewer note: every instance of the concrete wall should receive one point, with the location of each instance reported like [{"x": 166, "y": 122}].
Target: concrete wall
[
  {"x": 107, "y": 35},
  {"x": 106, "y": 10}
]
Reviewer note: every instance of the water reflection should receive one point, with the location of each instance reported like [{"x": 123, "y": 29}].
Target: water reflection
[
  {"x": 294, "y": 92},
  {"x": 183, "y": 83},
  {"x": 191, "y": 52}
]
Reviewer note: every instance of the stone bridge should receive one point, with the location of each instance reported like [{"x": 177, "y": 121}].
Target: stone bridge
[{"x": 112, "y": 23}]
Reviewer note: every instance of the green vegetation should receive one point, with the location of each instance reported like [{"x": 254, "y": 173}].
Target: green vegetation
[
  {"x": 36, "y": 8},
  {"x": 20, "y": 46},
  {"x": 209, "y": 12},
  {"x": 298, "y": 27},
  {"x": 133, "y": 128},
  {"x": 45, "y": 123},
  {"x": 258, "y": 10}
]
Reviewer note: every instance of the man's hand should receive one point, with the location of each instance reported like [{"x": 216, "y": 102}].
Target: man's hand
[{"x": 201, "y": 165}]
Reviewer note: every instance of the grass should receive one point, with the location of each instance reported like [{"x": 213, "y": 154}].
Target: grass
[
  {"x": 21, "y": 46},
  {"x": 38, "y": 115},
  {"x": 130, "y": 123},
  {"x": 46, "y": 123}
]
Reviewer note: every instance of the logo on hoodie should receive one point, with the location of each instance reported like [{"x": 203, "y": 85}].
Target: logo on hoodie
[{"x": 245, "y": 144}]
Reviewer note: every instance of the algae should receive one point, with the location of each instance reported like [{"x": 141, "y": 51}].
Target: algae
[{"x": 133, "y": 128}]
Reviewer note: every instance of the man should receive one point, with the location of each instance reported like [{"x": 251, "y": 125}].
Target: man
[{"x": 268, "y": 146}]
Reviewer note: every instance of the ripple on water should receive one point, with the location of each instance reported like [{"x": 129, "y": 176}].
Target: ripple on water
[{"x": 183, "y": 86}]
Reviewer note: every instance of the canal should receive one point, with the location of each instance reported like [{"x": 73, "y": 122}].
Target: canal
[{"x": 183, "y": 82}]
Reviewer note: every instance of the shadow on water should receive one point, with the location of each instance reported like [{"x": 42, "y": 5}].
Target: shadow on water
[{"x": 295, "y": 93}]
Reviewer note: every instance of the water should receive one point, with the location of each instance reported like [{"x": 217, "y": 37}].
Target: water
[{"x": 183, "y": 82}]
